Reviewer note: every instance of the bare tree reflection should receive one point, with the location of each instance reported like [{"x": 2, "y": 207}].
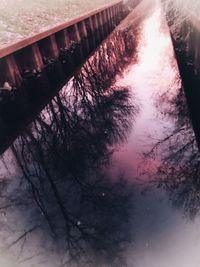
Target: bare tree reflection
[
  {"x": 18, "y": 105},
  {"x": 63, "y": 155},
  {"x": 179, "y": 171}
]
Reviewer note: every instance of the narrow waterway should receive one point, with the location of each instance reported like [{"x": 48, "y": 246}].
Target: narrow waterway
[
  {"x": 164, "y": 234},
  {"x": 107, "y": 176}
]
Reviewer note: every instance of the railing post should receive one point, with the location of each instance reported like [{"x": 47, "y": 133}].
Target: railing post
[
  {"x": 62, "y": 39},
  {"x": 66, "y": 38},
  {"x": 78, "y": 37},
  {"x": 75, "y": 37},
  {"x": 74, "y": 33},
  {"x": 100, "y": 22},
  {"x": 106, "y": 27},
  {"x": 54, "y": 46},
  {"x": 92, "y": 31},
  {"x": 108, "y": 20},
  {"x": 90, "y": 36},
  {"x": 120, "y": 12},
  {"x": 12, "y": 72},
  {"x": 115, "y": 12},
  {"x": 49, "y": 48},
  {"x": 37, "y": 56},
  {"x": 96, "y": 29},
  {"x": 111, "y": 16},
  {"x": 84, "y": 37}
]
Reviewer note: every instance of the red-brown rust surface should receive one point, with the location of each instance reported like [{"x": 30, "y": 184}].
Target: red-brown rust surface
[{"x": 35, "y": 38}]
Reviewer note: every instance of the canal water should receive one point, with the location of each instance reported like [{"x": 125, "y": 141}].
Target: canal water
[{"x": 108, "y": 174}]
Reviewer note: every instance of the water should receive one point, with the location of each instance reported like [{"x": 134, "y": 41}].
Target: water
[{"x": 110, "y": 176}]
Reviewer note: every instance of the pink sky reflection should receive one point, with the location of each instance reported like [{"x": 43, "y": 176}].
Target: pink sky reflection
[{"x": 155, "y": 72}]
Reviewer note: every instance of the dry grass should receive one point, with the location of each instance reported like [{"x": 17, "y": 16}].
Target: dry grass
[{"x": 22, "y": 18}]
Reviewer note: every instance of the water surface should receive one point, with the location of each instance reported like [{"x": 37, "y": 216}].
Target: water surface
[{"x": 110, "y": 166}]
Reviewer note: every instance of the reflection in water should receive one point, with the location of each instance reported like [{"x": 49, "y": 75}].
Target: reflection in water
[
  {"x": 66, "y": 210},
  {"x": 62, "y": 157},
  {"x": 179, "y": 168}
]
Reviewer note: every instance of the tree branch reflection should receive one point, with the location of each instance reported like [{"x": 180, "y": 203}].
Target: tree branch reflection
[
  {"x": 179, "y": 170},
  {"x": 63, "y": 155}
]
